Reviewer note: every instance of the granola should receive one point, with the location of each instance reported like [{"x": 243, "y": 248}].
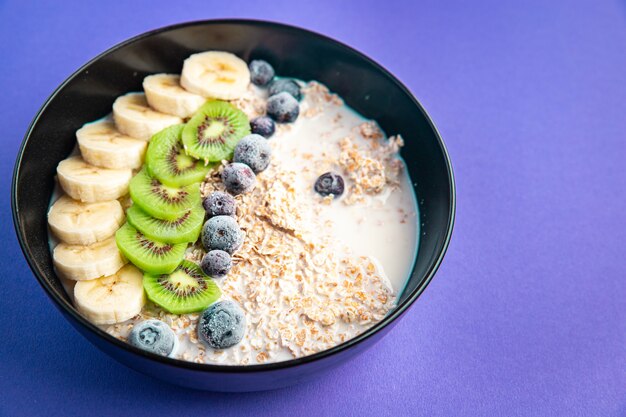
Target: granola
[{"x": 302, "y": 291}]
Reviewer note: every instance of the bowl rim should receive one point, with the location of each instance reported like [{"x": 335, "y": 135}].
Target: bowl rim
[{"x": 387, "y": 320}]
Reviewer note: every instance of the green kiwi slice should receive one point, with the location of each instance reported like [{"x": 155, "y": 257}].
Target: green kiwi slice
[
  {"x": 212, "y": 133},
  {"x": 160, "y": 200},
  {"x": 148, "y": 254},
  {"x": 186, "y": 290},
  {"x": 167, "y": 161},
  {"x": 184, "y": 229}
]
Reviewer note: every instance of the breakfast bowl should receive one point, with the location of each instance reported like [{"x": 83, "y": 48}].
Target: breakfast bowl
[{"x": 365, "y": 86}]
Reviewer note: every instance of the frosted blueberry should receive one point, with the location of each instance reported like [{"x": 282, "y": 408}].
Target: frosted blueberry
[
  {"x": 261, "y": 72},
  {"x": 216, "y": 263},
  {"x": 283, "y": 108},
  {"x": 222, "y": 325},
  {"x": 219, "y": 204},
  {"x": 285, "y": 85},
  {"x": 263, "y": 126},
  {"x": 223, "y": 233},
  {"x": 254, "y": 151},
  {"x": 238, "y": 178},
  {"x": 153, "y": 336}
]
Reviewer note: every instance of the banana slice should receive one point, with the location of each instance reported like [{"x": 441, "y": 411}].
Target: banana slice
[
  {"x": 78, "y": 223},
  {"x": 81, "y": 263},
  {"x": 111, "y": 299},
  {"x": 135, "y": 118},
  {"x": 215, "y": 74},
  {"x": 164, "y": 93},
  {"x": 102, "y": 145},
  {"x": 89, "y": 183}
]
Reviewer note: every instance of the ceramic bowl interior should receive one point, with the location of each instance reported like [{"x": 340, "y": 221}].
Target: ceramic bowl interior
[{"x": 88, "y": 94}]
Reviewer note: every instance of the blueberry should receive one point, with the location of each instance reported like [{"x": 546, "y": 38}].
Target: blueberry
[
  {"x": 285, "y": 85},
  {"x": 219, "y": 204},
  {"x": 329, "y": 183},
  {"x": 222, "y": 325},
  {"x": 283, "y": 108},
  {"x": 223, "y": 233},
  {"x": 153, "y": 336},
  {"x": 238, "y": 178},
  {"x": 216, "y": 263},
  {"x": 254, "y": 151},
  {"x": 263, "y": 126},
  {"x": 261, "y": 72}
]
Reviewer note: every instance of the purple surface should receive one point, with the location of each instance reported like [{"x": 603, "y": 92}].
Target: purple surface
[{"x": 527, "y": 315}]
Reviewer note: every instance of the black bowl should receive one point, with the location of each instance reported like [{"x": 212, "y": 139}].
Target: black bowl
[{"x": 367, "y": 87}]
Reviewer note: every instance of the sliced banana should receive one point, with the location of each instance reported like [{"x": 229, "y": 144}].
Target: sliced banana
[
  {"x": 85, "y": 262},
  {"x": 134, "y": 117},
  {"x": 215, "y": 74},
  {"x": 111, "y": 299},
  {"x": 89, "y": 183},
  {"x": 102, "y": 145},
  {"x": 164, "y": 93},
  {"x": 78, "y": 223}
]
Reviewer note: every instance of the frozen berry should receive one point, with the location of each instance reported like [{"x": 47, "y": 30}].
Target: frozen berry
[
  {"x": 216, "y": 263},
  {"x": 329, "y": 183},
  {"x": 223, "y": 233},
  {"x": 254, "y": 151},
  {"x": 238, "y": 178},
  {"x": 285, "y": 85},
  {"x": 283, "y": 108},
  {"x": 219, "y": 204},
  {"x": 153, "y": 336},
  {"x": 261, "y": 72},
  {"x": 222, "y": 325},
  {"x": 263, "y": 126}
]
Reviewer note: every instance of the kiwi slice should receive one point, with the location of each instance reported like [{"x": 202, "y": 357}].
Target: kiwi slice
[
  {"x": 186, "y": 290},
  {"x": 160, "y": 200},
  {"x": 148, "y": 254},
  {"x": 184, "y": 229},
  {"x": 212, "y": 133},
  {"x": 167, "y": 161}
]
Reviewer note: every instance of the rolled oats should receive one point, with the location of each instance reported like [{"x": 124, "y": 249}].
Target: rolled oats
[{"x": 300, "y": 296}]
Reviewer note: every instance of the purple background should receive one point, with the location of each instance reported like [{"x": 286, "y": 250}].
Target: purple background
[{"x": 527, "y": 315}]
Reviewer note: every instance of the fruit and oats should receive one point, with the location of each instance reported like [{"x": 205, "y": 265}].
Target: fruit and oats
[{"x": 236, "y": 249}]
